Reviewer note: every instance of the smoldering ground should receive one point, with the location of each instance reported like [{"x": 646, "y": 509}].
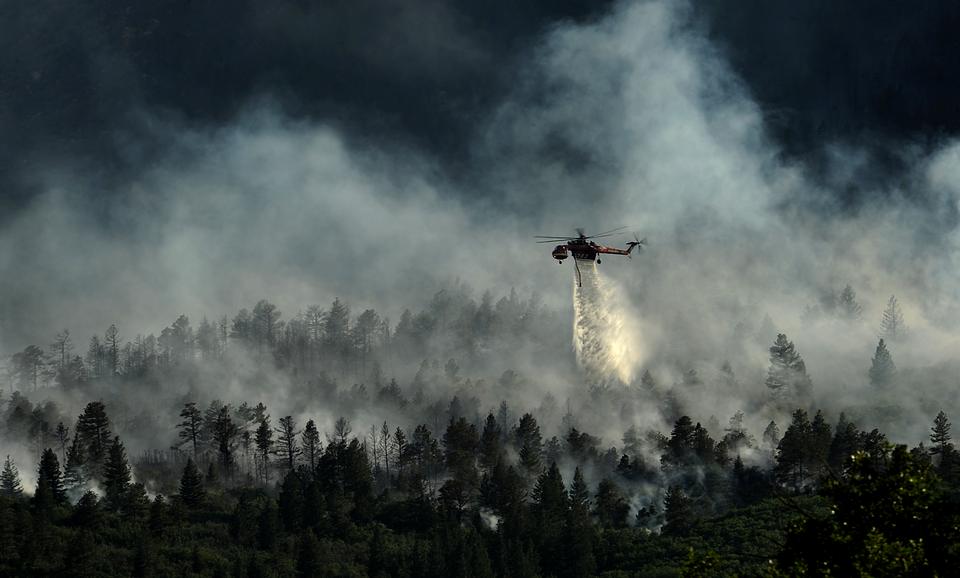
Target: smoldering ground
[{"x": 631, "y": 118}]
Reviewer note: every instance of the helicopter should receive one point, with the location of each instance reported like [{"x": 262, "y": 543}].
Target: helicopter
[{"x": 584, "y": 249}]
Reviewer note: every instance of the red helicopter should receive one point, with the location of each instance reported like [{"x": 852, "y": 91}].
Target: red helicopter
[{"x": 583, "y": 249}]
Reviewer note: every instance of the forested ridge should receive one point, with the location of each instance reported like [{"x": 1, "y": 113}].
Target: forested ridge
[{"x": 340, "y": 444}]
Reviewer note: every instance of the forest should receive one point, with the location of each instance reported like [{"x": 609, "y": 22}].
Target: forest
[{"x": 313, "y": 446}]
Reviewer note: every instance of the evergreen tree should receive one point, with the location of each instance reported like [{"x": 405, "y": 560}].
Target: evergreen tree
[
  {"x": 224, "y": 434},
  {"x": 111, "y": 342},
  {"x": 787, "y": 377},
  {"x": 62, "y": 435},
  {"x": 578, "y": 558},
  {"x": 549, "y": 495},
  {"x": 10, "y": 486},
  {"x": 94, "y": 429},
  {"x": 74, "y": 477},
  {"x": 490, "y": 449},
  {"x": 610, "y": 506},
  {"x": 87, "y": 514},
  {"x": 647, "y": 383},
  {"x": 530, "y": 445},
  {"x": 291, "y": 501},
  {"x": 882, "y": 370},
  {"x": 312, "y": 448},
  {"x": 792, "y": 467},
  {"x": 892, "y": 326},
  {"x": 401, "y": 453},
  {"x": 137, "y": 504},
  {"x": 818, "y": 448},
  {"x": 847, "y": 306},
  {"x": 158, "y": 515},
  {"x": 50, "y": 491},
  {"x": 460, "y": 443},
  {"x": 191, "y": 428},
  {"x": 680, "y": 447},
  {"x": 678, "y": 511},
  {"x": 287, "y": 448},
  {"x": 940, "y": 434},
  {"x": 737, "y": 437},
  {"x": 264, "y": 442},
  {"x": 771, "y": 435},
  {"x": 116, "y": 477},
  {"x": 550, "y": 509},
  {"x": 191, "y": 485},
  {"x": 843, "y": 445}
]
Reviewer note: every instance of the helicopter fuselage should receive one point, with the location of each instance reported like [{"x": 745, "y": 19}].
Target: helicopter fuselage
[{"x": 584, "y": 250}]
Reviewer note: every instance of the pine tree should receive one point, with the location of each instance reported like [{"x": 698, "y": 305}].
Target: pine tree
[
  {"x": 116, "y": 477},
  {"x": 10, "y": 486},
  {"x": 87, "y": 514},
  {"x": 771, "y": 435},
  {"x": 94, "y": 429},
  {"x": 401, "y": 453},
  {"x": 291, "y": 500},
  {"x": 647, "y": 383},
  {"x": 844, "y": 444},
  {"x": 940, "y": 434},
  {"x": 680, "y": 447},
  {"x": 50, "y": 491},
  {"x": 787, "y": 377},
  {"x": 74, "y": 476},
  {"x": 818, "y": 450},
  {"x": 847, "y": 306},
  {"x": 610, "y": 506},
  {"x": 678, "y": 511},
  {"x": 264, "y": 443},
  {"x": 578, "y": 555},
  {"x": 191, "y": 485},
  {"x": 530, "y": 445},
  {"x": 312, "y": 448},
  {"x": 550, "y": 504},
  {"x": 287, "y": 449},
  {"x": 224, "y": 436},
  {"x": 892, "y": 326},
  {"x": 490, "y": 443},
  {"x": 111, "y": 342},
  {"x": 792, "y": 467},
  {"x": 191, "y": 428},
  {"x": 882, "y": 369},
  {"x": 62, "y": 435}
]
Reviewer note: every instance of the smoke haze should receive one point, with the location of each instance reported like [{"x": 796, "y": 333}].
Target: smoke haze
[{"x": 636, "y": 115}]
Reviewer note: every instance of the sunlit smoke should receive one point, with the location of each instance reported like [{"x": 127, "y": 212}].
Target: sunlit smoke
[{"x": 606, "y": 335}]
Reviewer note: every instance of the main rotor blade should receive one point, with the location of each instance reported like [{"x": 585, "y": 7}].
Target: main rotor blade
[
  {"x": 551, "y": 237},
  {"x": 606, "y": 232},
  {"x": 551, "y": 241}
]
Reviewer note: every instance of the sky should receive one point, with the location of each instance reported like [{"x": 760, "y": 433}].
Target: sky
[{"x": 194, "y": 157}]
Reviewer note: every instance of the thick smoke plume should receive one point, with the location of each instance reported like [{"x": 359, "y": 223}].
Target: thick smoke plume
[{"x": 633, "y": 118}]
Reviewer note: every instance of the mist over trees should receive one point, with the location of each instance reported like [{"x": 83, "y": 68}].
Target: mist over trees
[{"x": 341, "y": 443}]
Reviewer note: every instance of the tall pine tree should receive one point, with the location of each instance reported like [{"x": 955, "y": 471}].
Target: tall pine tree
[
  {"x": 191, "y": 485},
  {"x": 50, "y": 491},
  {"x": 787, "y": 378},
  {"x": 882, "y": 369},
  {"x": 116, "y": 476},
  {"x": 10, "y": 486},
  {"x": 892, "y": 326}
]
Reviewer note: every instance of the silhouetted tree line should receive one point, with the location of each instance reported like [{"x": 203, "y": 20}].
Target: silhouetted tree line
[
  {"x": 479, "y": 497},
  {"x": 331, "y": 340}
]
